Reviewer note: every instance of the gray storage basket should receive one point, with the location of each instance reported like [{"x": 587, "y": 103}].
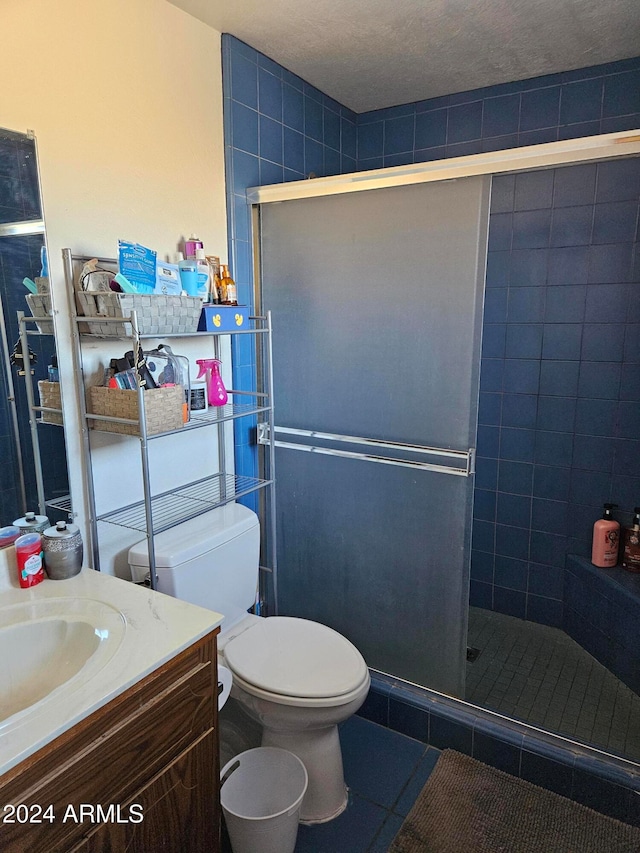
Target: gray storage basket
[
  {"x": 157, "y": 314},
  {"x": 40, "y": 306}
]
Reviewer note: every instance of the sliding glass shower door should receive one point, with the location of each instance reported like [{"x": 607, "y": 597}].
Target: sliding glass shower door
[{"x": 376, "y": 299}]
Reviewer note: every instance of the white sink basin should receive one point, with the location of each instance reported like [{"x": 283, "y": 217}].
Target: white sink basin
[{"x": 52, "y": 645}]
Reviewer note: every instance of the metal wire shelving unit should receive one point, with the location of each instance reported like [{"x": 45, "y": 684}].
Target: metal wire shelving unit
[
  {"x": 158, "y": 512},
  {"x": 37, "y": 412}
]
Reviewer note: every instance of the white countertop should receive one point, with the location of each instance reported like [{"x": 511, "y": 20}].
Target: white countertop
[{"x": 157, "y": 627}]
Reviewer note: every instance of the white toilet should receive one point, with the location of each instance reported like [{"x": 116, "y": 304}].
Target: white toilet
[{"x": 297, "y": 678}]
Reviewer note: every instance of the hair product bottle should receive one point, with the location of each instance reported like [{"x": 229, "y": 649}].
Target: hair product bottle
[
  {"x": 631, "y": 544},
  {"x": 228, "y": 287},
  {"x": 606, "y": 538}
]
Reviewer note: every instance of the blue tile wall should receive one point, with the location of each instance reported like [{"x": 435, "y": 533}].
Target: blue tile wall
[
  {"x": 558, "y": 382},
  {"x": 556, "y": 374},
  {"x": 600, "y": 99},
  {"x": 277, "y": 128}
]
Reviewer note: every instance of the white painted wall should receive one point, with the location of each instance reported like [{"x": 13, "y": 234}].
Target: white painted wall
[{"x": 125, "y": 100}]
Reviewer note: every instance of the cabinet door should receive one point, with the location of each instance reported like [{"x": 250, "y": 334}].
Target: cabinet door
[{"x": 180, "y": 809}]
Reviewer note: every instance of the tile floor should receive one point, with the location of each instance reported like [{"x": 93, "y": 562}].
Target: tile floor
[
  {"x": 540, "y": 675},
  {"x": 385, "y": 771}
]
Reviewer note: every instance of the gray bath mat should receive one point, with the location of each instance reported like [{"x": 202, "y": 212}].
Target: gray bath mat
[{"x": 468, "y": 807}]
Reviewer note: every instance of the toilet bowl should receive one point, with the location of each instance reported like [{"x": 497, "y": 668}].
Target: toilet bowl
[
  {"x": 294, "y": 677},
  {"x": 299, "y": 679}
]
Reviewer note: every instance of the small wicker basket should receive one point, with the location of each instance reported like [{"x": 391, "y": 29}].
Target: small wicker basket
[
  {"x": 158, "y": 314},
  {"x": 40, "y": 306},
  {"x": 163, "y": 409},
  {"x": 50, "y": 399}
]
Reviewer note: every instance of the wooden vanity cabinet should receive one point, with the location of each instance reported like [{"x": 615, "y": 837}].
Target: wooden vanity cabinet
[{"x": 139, "y": 775}]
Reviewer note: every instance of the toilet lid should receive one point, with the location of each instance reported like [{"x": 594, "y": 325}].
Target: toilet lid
[{"x": 296, "y": 657}]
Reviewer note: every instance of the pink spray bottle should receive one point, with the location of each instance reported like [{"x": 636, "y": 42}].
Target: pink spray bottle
[{"x": 216, "y": 392}]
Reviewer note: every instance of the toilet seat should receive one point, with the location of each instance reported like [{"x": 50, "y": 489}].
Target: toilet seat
[
  {"x": 358, "y": 693},
  {"x": 296, "y": 661}
]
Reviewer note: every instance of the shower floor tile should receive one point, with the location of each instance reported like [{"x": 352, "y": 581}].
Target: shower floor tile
[{"x": 541, "y": 676}]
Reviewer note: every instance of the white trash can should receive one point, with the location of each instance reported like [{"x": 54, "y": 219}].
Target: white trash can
[{"x": 261, "y": 794}]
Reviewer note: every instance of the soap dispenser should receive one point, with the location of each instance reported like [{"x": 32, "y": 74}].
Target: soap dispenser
[{"x": 606, "y": 538}]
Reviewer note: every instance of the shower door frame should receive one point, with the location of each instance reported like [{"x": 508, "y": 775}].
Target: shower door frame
[
  {"x": 596, "y": 148},
  {"x": 548, "y": 155}
]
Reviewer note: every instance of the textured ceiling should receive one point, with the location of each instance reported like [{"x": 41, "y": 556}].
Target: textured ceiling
[{"x": 369, "y": 54}]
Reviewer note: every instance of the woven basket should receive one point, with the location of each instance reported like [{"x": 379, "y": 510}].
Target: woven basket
[
  {"x": 40, "y": 306},
  {"x": 50, "y": 399},
  {"x": 163, "y": 409},
  {"x": 157, "y": 314}
]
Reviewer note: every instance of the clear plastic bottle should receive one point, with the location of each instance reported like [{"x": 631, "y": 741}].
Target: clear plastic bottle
[{"x": 204, "y": 276}]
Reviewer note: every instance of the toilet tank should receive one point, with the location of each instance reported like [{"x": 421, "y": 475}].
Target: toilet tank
[{"x": 211, "y": 560}]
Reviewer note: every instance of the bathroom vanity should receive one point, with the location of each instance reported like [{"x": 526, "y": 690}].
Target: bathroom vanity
[{"x": 125, "y": 756}]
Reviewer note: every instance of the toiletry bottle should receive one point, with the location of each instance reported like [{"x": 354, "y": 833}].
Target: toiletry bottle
[
  {"x": 29, "y": 559},
  {"x": 191, "y": 246},
  {"x": 203, "y": 275},
  {"x": 216, "y": 392},
  {"x": 52, "y": 370},
  {"x": 631, "y": 544},
  {"x": 228, "y": 287},
  {"x": 213, "y": 262},
  {"x": 216, "y": 288},
  {"x": 188, "y": 274},
  {"x": 606, "y": 537},
  {"x": 44, "y": 263},
  {"x": 221, "y": 284},
  {"x": 8, "y": 535}
]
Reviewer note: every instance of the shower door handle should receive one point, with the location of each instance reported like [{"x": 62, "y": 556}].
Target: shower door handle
[{"x": 462, "y": 462}]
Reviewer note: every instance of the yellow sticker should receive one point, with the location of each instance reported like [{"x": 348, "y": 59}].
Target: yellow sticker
[
  {"x": 216, "y": 319},
  {"x": 239, "y": 319}
]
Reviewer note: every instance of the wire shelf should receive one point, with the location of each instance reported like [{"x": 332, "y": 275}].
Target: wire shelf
[
  {"x": 213, "y": 415},
  {"x": 219, "y": 414},
  {"x": 184, "y": 503},
  {"x": 63, "y": 503}
]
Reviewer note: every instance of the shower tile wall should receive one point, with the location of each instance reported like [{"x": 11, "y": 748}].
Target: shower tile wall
[
  {"x": 277, "y": 128},
  {"x": 559, "y": 414},
  {"x": 600, "y": 99},
  {"x": 559, "y": 392},
  {"x": 559, "y": 419}
]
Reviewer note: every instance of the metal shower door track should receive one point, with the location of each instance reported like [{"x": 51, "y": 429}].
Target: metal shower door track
[{"x": 465, "y": 458}]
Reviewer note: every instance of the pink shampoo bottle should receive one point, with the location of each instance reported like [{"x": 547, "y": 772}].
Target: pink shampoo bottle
[{"x": 606, "y": 538}]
